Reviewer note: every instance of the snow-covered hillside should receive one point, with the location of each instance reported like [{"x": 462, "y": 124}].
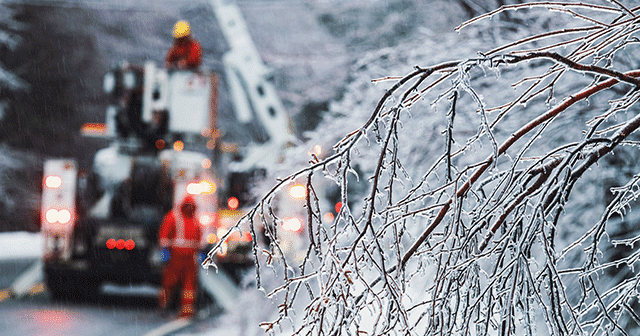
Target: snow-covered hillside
[{"x": 401, "y": 157}]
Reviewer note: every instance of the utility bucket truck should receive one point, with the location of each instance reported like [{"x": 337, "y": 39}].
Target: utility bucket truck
[{"x": 101, "y": 225}]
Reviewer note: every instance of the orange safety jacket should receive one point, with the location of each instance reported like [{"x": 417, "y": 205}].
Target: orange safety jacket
[
  {"x": 180, "y": 234},
  {"x": 190, "y": 51}
]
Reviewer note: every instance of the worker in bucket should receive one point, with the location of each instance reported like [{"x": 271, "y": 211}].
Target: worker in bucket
[
  {"x": 186, "y": 52},
  {"x": 179, "y": 237}
]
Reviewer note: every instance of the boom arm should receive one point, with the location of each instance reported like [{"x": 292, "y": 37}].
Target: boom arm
[{"x": 251, "y": 91}]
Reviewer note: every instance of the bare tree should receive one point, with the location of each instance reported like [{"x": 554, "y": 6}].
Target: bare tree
[{"x": 463, "y": 239}]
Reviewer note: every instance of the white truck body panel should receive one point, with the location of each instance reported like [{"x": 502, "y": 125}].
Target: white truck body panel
[
  {"x": 187, "y": 167},
  {"x": 61, "y": 197},
  {"x": 59, "y": 194},
  {"x": 186, "y": 95}
]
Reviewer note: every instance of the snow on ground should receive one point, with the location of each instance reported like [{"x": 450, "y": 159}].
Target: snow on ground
[{"x": 20, "y": 245}]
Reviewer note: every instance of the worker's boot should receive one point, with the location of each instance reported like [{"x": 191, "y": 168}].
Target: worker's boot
[{"x": 187, "y": 304}]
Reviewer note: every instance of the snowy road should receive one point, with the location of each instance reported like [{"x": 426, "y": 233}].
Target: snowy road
[
  {"x": 118, "y": 311},
  {"x": 37, "y": 314}
]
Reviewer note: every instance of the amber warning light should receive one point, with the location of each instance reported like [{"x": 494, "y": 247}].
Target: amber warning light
[{"x": 94, "y": 130}]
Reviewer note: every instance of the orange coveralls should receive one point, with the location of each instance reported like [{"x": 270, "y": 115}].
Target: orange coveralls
[
  {"x": 181, "y": 234},
  {"x": 189, "y": 51}
]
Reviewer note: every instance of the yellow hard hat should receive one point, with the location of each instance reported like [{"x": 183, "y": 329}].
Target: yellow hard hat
[{"x": 181, "y": 29}]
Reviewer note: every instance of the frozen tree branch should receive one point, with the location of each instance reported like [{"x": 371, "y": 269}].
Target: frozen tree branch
[{"x": 472, "y": 219}]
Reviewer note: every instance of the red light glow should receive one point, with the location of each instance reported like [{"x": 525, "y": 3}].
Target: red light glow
[
  {"x": 160, "y": 144},
  {"x": 129, "y": 244},
  {"x": 233, "y": 203},
  {"x": 111, "y": 244},
  {"x": 50, "y": 320},
  {"x": 120, "y": 244}
]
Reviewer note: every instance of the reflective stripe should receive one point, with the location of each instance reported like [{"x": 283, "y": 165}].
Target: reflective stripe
[
  {"x": 179, "y": 226},
  {"x": 188, "y": 243},
  {"x": 164, "y": 242},
  {"x": 187, "y": 311},
  {"x": 188, "y": 294},
  {"x": 162, "y": 298},
  {"x": 179, "y": 240}
]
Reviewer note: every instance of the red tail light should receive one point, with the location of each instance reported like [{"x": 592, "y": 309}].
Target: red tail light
[
  {"x": 120, "y": 244},
  {"x": 233, "y": 203}
]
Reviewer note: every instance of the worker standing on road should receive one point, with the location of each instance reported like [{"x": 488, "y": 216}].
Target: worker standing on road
[
  {"x": 186, "y": 53},
  {"x": 180, "y": 234}
]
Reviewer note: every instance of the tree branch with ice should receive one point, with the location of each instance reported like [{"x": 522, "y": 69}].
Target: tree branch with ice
[{"x": 471, "y": 222}]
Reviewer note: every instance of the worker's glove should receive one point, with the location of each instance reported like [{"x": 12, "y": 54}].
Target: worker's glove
[
  {"x": 201, "y": 257},
  {"x": 165, "y": 255}
]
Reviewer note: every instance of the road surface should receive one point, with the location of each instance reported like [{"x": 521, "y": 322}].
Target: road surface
[{"x": 118, "y": 311}]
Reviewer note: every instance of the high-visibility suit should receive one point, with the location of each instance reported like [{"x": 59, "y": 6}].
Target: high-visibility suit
[
  {"x": 185, "y": 54},
  {"x": 181, "y": 234}
]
